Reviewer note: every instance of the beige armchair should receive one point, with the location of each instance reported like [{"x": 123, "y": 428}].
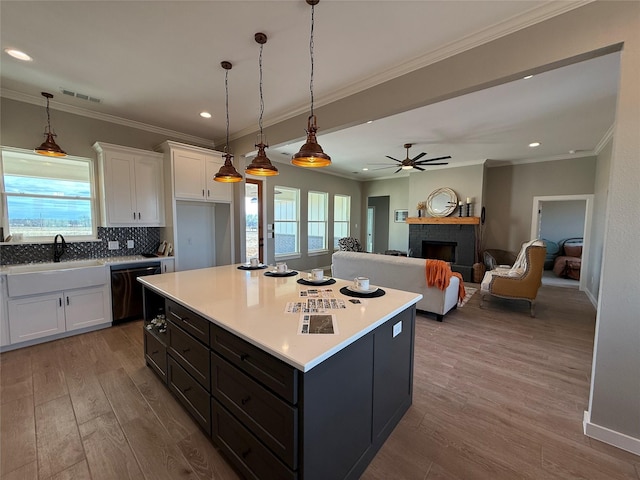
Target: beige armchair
[{"x": 522, "y": 280}]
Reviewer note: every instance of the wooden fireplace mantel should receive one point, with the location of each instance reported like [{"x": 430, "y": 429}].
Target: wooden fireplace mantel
[{"x": 444, "y": 220}]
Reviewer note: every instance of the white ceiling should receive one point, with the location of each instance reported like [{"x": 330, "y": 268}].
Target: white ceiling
[{"x": 158, "y": 63}]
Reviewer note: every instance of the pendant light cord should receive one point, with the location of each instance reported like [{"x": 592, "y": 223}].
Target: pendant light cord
[
  {"x": 226, "y": 90},
  {"x": 261, "y": 97},
  {"x": 48, "y": 118},
  {"x": 311, "y": 54}
]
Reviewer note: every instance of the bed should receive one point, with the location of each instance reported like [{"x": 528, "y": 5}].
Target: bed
[{"x": 569, "y": 261}]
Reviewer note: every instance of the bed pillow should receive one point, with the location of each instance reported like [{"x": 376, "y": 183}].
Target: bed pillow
[{"x": 573, "y": 251}]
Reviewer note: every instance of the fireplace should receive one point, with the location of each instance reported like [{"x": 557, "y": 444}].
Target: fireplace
[{"x": 439, "y": 250}]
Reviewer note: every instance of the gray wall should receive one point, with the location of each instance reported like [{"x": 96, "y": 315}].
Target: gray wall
[
  {"x": 562, "y": 219},
  {"x": 510, "y": 191},
  {"x": 398, "y": 192},
  {"x": 601, "y": 186}
]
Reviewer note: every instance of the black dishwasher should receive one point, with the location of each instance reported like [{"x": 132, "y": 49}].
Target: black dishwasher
[{"x": 126, "y": 291}]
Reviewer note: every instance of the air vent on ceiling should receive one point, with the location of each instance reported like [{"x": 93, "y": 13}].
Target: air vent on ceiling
[{"x": 81, "y": 96}]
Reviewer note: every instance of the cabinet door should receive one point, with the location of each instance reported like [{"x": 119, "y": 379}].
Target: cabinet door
[
  {"x": 120, "y": 190},
  {"x": 35, "y": 317},
  {"x": 85, "y": 307},
  {"x": 148, "y": 186},
  {"x": 217, "y": 191},
  {"x": 189, "y": 172}
]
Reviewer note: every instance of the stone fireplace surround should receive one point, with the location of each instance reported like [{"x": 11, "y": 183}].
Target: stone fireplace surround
[{"x": 464, "y": 236}]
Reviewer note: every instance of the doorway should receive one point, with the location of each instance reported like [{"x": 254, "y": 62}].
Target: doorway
[
  {"x": 254, "y": 239},
  {"x": 560, "y": 217},
  {"x": 378, "y": 224}
]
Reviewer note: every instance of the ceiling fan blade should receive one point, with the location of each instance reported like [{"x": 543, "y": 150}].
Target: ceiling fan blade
[
  {"x": 382, "y": 168},
  {"x": 421, "y": 162},
  {"x": 395, "y": 159},
  {"x": 420, "y": 155},
  {"x": 432, "y": 164},
  {"x": 419, "y": 168},
  {"x": 398, "y": 170}
]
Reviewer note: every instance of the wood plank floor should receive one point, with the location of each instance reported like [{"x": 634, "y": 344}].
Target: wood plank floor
[{"x": 497, "y": 395}]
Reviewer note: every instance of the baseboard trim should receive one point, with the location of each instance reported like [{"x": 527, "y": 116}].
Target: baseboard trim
[
  {"x": 592, "y": 299},
  {"x": 606, "y": 435}
]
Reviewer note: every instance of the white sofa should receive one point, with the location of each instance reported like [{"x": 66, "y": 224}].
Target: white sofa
[{"x": 401, "y": 273}]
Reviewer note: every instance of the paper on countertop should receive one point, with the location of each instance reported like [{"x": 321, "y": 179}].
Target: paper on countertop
[{"x": 317, "y": 324}]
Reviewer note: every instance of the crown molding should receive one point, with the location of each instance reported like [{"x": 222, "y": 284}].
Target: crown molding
[
  {"x": 481, "y": 37},
  {"x": 23, "y": 97},
  {"x": 604, "y": 140}
]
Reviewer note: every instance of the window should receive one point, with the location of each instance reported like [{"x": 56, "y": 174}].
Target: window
[
  {"x": 286, "y": 212},
  {"x": 46, "y": 195},
  {"x": 317, "y": 221},
  {"x": 341, "y": 218}
]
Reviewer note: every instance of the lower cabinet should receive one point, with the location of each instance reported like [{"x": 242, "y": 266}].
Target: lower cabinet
[
  {"x": 41, "y": 316},
  {"x": 271, "y": 420}
]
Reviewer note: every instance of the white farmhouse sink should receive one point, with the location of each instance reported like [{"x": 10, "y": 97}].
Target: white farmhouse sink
[{"x": 39, "y": 278}]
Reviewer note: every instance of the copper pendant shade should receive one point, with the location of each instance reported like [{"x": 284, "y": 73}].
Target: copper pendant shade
[
  {"x": 311, "y": 154},
  {"x": 261, "y": 165},
  {"x": 49, "y": 147},
  {"x": 227, "y": 172}
]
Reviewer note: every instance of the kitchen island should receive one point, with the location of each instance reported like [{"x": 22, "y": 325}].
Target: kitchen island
[{"x": 280, "y": 403}]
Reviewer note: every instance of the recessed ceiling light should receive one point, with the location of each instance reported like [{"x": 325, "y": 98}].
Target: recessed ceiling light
[
  {"x": 527, "y": 77},
  {"x": 205, "y": 114},
  {"x": 534, "y": 144},
  {"x": 365, "y": 169},
  {"x": 370, "y": 121},
  {"x": 18, "y": 54}
]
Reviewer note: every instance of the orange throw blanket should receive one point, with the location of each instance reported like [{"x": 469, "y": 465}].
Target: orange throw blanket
[{"x": 439, "y": 273}]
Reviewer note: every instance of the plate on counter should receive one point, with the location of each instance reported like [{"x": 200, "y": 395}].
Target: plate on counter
[
  {"x": 275, "y": 273},
  {"x": 317, "y": 283},
  {"x": 246, "y": 266},
  {"x": 371, "y": 289}
]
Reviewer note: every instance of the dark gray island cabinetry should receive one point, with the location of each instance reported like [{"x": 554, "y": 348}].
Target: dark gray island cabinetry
[{"x": 273, "y": 417}]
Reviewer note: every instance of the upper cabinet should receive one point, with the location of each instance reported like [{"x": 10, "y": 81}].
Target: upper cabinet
[
  {"x": 193, "y": 170},
  {"x": 132, "y": 186}
]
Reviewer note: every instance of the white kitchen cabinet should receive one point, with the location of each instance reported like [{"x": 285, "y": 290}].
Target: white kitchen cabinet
[
  {"x": 45, "y": 315},
  {"x": 4, "y": 321},
  {"x": 168, "y": 265},
  {"x": 193, "y": 176},
  {"x": 132, "y": 186}
]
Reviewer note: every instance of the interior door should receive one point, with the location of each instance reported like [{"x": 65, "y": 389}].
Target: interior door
[
  {"x": 254, "y": 237},
  {"x": 371, "y": 221}
]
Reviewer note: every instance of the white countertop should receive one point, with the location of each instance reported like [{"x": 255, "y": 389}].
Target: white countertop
[
  {"x": 107, "y": 261},
  {"x": 252, "y": 306}
]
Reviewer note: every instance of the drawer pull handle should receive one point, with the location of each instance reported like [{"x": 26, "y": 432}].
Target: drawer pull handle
[
  {"x": 155, "y": 352},
  {"x": 176, "y": 315},
  {"x": 244, "y": 356},
  {"x": 186, "y": 390},
  {"x": 186, "y": 350},
  {"x": 246, "y": 400},
  {"x": 246, "y": 453}
]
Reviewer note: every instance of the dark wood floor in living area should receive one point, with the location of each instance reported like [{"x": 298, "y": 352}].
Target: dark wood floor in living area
[{"x": 497, "y": 395}]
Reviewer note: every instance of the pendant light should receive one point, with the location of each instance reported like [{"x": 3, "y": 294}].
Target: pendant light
[
  {"x": 311, "y": 154},
  {"x": 261, "y": 165},
  {"x": 227, "y": 172},
  {"x": 49, "y": 147}
]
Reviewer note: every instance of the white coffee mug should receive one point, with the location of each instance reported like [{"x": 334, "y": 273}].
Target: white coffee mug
[
  {"x": 281, "y": 267},
  {"x": 361, "y": 283},
  {"x": 317, "y": 274},
  {"x": 254, "y": 262}
]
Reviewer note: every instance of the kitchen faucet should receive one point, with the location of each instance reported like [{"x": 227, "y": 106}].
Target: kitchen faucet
[{"x": 58, "y": 248}]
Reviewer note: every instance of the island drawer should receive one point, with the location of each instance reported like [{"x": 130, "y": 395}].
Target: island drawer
[
  {"x": 190, "y": 354},
  {"x": 253, "y": 459},
  {"x": 155, "y": 354},
  {"x": 188, "y": 320},
  {"x": 193, "y": 397},
  {"x": 271, "y": 419},
  {"x": 268, "y": 370}
]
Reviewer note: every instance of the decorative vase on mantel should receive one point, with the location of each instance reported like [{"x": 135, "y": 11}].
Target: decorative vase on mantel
[{"x": 419, "y": 213}]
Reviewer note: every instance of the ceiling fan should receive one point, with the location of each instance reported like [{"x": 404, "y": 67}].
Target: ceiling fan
[{"x": 415, "y": 162}]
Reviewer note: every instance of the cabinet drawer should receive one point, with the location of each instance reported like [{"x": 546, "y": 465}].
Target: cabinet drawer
[
  {"x": 190, "y": 354},
  {"x": 155, "y": 354},
  {"x": 188, "y": 320},
  {"x": 268, "y": 370},
  {"x": 253, "y": 459},
  {"x": 195, "y": 399},
  {"x": 269, "y": 417}
]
